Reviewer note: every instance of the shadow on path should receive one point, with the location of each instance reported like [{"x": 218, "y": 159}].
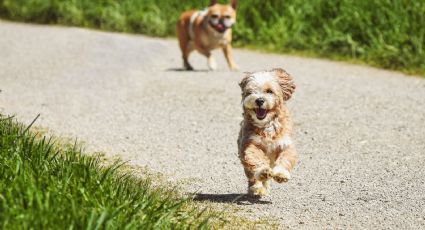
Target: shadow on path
[
  {"x": 240, "y": 199},
  {"x": 185, "y": 70}
]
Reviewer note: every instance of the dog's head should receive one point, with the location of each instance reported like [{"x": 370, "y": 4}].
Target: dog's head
[
  {"x": 221, "y": 17},
  {"x": 264, "y": 94}
]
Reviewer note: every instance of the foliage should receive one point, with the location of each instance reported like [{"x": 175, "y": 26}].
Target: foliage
[{"x": 386, "y": 33}]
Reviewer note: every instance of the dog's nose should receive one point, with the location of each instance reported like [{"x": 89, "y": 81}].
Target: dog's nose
[{"x": 259, "y": 101}]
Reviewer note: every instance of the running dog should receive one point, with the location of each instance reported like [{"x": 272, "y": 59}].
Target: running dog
[
  {"x": 265, "y": 142},
  {"x": 207, "y": 30}
]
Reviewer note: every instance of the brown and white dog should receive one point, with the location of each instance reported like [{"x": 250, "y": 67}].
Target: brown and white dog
[
  {"x": 265, "y": 142},
  {"x": 207, "y": 30}
]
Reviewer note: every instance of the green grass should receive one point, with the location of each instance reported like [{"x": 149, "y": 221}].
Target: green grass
[
  {"x": 44, "y": 185},
  {"x": 384, "y": 33}
]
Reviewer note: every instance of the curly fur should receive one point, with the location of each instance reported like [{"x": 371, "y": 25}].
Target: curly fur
[{"x": 266, "y": 149}]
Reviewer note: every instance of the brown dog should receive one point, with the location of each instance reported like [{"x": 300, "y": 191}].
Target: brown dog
[
  {"x": 265, "y": 142},
  {"x": 207, "y": 30}
]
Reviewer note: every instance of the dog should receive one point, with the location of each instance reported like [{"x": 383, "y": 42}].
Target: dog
[
  {"x": 207, "y": 30},
  {"x": 266, "y": 149}
]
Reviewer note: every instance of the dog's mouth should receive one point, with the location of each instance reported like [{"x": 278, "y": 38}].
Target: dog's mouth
[
  {"x": 219, "y": 27},
  {"x": 260, "y": 113}
]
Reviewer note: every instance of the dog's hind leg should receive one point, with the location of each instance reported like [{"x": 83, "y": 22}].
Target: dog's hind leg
[
  {"x": 185, "y": 43},
  {"x": 256, "y": 188},
  {"x": 189, "y": 48},
  {"x": 257, "y": 169}
]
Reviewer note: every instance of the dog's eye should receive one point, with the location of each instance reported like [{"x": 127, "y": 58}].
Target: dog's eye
[
  {"x": 269, "y": 91},
  {"x": 214, "y": 16},
  {"x": 227, "y": 17}
]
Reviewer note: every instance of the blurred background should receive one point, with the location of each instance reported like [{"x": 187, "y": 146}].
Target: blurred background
[{"x": 383, "y": 33}]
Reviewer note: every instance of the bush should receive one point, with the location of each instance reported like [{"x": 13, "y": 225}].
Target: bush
[{"x": 386, "y": 33}]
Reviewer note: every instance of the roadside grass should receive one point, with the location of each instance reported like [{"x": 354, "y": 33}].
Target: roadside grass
[
  {"x": 44, "y": 185},
  {"x": 48, "y": 183},
  {"x": 387, "y": 33}
]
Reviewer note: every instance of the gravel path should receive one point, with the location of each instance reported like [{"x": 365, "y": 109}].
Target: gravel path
[{"x": 360, "y": 131}]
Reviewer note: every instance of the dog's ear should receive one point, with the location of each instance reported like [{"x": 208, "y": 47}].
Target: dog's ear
[
  {"x": 213, "y": 2},
  {"x": 286, "y": 83},
  {"x": 233, "y": 3},
  {"x": 245, "y": 80}
]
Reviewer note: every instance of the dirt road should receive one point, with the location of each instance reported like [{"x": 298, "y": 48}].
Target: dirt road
[{"x": 360, "y": 131}]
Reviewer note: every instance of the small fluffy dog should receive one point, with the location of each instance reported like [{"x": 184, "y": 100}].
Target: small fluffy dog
[
  {"x": 207, "y": 30},
  {"x": 265, "y": 145}
]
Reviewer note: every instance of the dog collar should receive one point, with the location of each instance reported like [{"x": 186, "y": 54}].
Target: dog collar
[{"x": 201, "y": 14}]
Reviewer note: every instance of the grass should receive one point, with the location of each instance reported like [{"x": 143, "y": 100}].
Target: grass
[
  {"x": 44, "y": 185},
  {"x": 384, "y": 33}
]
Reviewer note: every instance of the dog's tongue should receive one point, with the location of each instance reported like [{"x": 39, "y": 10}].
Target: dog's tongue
[
  {"x": 220, "y": 27},
  {"x": 261, "y": 113}
]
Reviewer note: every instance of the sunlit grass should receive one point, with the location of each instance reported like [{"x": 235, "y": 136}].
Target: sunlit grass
[{"x": 44, "y": 185}]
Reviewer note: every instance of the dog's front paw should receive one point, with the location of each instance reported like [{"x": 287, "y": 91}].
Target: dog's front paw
[
  {"x": 264, "y": 174},
  {"x": 258, "y": 190},
  {"x": 212, "y": 65},
  {"x": 280, "y": 174},
  {"x": 285, "y": 142},
  {"x": 234, "y": 67}
]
